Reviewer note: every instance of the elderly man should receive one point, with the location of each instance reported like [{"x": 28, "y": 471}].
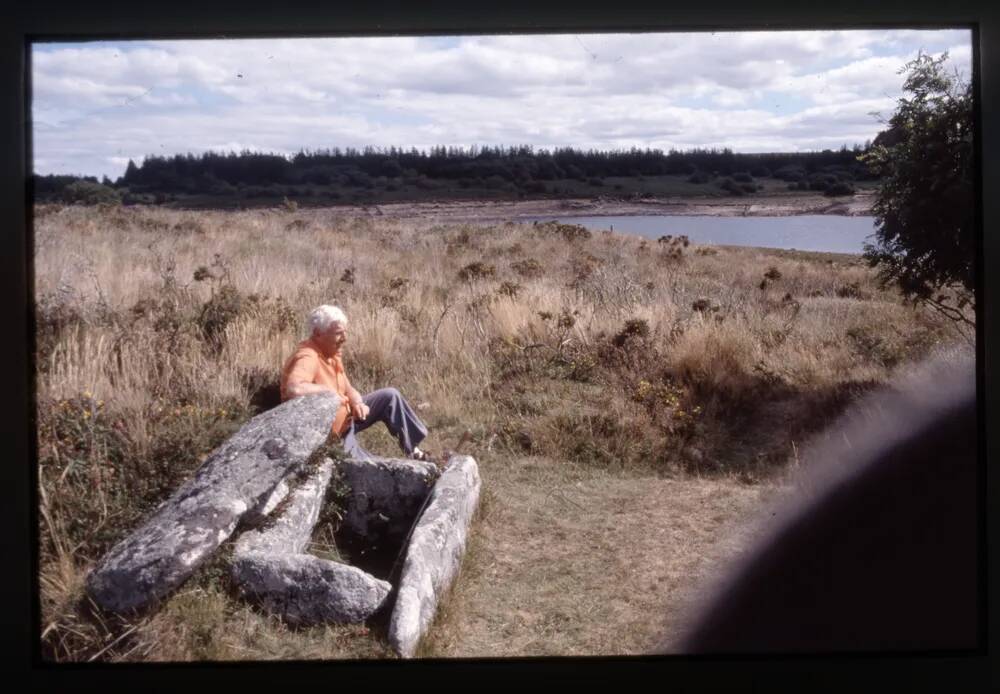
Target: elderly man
[{"x": 317, "y": 367}]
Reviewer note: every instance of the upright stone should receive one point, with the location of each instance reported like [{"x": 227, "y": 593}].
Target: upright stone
[
  {"x": 386, "y": 495},
  {"x": 190, "y": 525},
  {"x": 434, "y": 553}
]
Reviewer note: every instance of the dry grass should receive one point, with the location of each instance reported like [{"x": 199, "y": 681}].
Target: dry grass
[
  {"x": 601, "y": 377},
  {"x": 583, "y": 563}
]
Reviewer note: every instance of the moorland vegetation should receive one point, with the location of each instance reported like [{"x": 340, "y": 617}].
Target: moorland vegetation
[{"x": 626, "y": 400}]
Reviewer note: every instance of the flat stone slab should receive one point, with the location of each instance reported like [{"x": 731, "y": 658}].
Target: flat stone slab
[
  {"x": 189, "y": 526},
  {"x": 262, "y": 510},
  {"x": 290, "y": 530},
  {"x": 307, "y": 590},
  {"x": 269, "y": 564},
  {"x": 434, "y": 553}
]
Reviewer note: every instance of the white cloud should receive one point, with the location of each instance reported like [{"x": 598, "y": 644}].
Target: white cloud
[{"x": 97, "y": 105}]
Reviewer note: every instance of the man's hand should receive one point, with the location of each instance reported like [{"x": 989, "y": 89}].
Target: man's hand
[{"x": 359, "y": 410}]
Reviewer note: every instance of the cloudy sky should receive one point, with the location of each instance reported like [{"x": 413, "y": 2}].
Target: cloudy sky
[{"x": 96, "y": 105}]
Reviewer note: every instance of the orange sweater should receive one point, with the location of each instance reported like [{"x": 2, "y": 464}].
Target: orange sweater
[{"x": 309, "y": 365}]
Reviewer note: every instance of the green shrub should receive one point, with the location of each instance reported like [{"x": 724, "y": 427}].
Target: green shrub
[
  {"x": 570, "y": 232},
  {"x": 839, "y": 188},
  {"x": 220, "y": 310},
  {"x": 731, "y": 186},
  {"x": 527, "y": 268},
  {"x": 822, "y": 181},
  {"x": 90, "y": 193},
  {"x": 476, "y": 271},
  {"x": 55, "y": 312},
  {"x": 792, "y": 174},
  {"x": 510, "y": 289},
  {"x": 852, "y": 290},
  {"x": 634, "y": 329},
  {"x": 100, "y": 483}
]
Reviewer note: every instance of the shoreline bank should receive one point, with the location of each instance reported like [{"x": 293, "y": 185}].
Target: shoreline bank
[{"x": 519, "y": 210}]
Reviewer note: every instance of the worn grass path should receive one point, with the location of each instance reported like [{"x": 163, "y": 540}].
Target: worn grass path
[{"x": 569, "y": 561}]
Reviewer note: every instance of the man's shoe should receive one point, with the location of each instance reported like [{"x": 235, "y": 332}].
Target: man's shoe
[{"x": 418, "y": 454}]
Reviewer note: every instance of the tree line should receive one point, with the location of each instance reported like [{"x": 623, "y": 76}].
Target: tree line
[{"x": 515, "y": 166}]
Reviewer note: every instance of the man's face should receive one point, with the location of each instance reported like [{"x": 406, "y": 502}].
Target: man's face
[{"x": 334, "y": 338}]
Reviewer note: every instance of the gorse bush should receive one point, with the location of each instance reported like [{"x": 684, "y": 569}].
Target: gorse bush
[
  {"x": 529, "y": 268},
  {"x": 102, "y": 480},
  {"x": 569, "y": 232},
  {"x": 223, "y": 308},
  {"x": 476, "y": 271},
  {"x": 511, "y": 289},
  {"x": 55, "y": 312},
  {"x": 634, "y": 329}
]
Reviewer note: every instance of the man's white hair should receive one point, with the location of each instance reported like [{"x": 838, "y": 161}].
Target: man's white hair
[{"x": 323, "y": 317}]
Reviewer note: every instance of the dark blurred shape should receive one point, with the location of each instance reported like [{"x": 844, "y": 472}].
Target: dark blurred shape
[
  {"x": 880, "y": 552},
  {"x": 263, "y": 387}
]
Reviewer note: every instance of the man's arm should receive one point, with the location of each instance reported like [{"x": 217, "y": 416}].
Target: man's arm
[
  {"x": 358, "y": 408},
  {"x": 299, "y": 376},
  {"x": 303, "y": 388}
]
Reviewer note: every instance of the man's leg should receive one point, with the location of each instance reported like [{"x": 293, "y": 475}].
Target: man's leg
[
  {"x": 387, "y": 405},
  {"x": 352, "y": 447}
]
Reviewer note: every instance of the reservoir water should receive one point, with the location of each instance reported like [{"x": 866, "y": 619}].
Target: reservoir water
[{"x": 830, "y": 233}]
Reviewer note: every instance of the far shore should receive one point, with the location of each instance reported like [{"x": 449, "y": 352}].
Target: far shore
[{"x": 859, "y": 204}]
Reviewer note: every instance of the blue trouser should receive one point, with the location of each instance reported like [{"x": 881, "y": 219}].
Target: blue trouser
[{"x": 388, "y": 406}]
